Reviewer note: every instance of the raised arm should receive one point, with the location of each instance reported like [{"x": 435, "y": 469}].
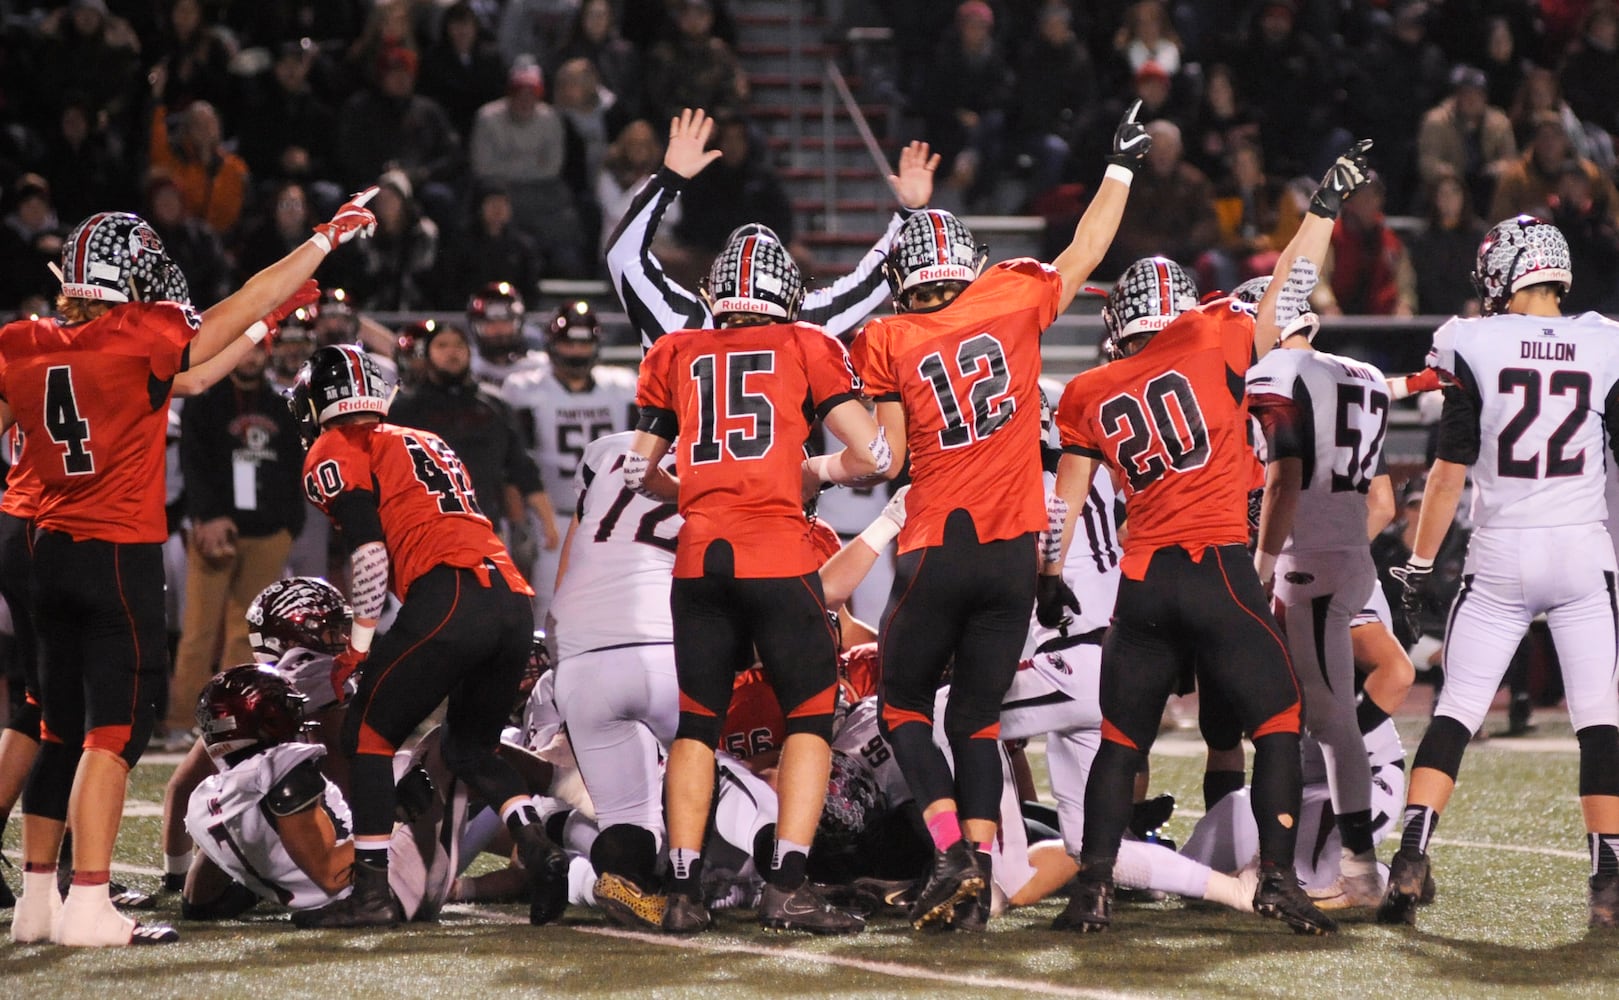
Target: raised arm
[
  {"x": 199, "y": 378},
  {"x": 1096, "y": 228}
]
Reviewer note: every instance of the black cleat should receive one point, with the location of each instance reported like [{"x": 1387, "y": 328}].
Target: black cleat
[
  {"x": 685, "y": 915},
  {"x": 973, "y": 916},
  {"x": 1409, "y": 877},
  {"x": 126, "y": 898},
  {"x": 876, "y": 895},
  {"x": 153, "y": 934},
  {"x": 953, "y": 878},
  {"x": 7, "y": 900},
  {"x": 1089, "y": 909},
  {"x": 1150, "y": 814},
  {"x": 1280, "y": 897},
  {"x": 547, "y": 867},
  {"x": 370, "y": 904},
  {"x": 174, "y": 883},
  {"x": 1604, "y": 901},
  {"x": 804, "y": 909},
  {"x": 1428, "y": 889}
]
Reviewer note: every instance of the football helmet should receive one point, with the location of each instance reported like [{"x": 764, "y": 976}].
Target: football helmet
[
  {"x": 852, "y": 800},
  {"x": 1517, "y": 253},
  {"x": 754, "y": 275},
  {"x": 1251, "y": 291},
  {"x": 495, "y": 318},
  {"x": 300, "y": 612},
  {"x": 118, "y": 257},
  {"x": 931, "y": 247},
  {"x": 334, "y": 317},
  {"x": 539, "y": 661},
  {"x": 1146, "y": 298},
  {"x": 410, "y": 350},
  {"x": 337, "y": 381},
  {"x": 248, "y": 707},
  {"x": 574, "y": 323}
]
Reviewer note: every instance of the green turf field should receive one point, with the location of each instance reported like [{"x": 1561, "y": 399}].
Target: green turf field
[{"x": 1509, "y": 921}]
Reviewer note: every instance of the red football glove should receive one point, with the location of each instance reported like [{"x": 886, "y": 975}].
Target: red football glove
[
  {"x": 343, "y": 667},
  {"x": 352, "y": 220},
  {"x": 307, "y": 294}
]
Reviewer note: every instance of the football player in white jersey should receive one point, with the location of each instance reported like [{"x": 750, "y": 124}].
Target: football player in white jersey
[
  {"x": 562, "y": 408},
  {"x": 1536, "y": 401},
  {"x": 495, "y": 317},
  {"x": 1324, "y": 419}
]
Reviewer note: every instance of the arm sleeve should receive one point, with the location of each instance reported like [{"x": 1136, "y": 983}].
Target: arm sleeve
[
  {"x": 200, "y": 462},
  {"x": 655, "y": 397},
  {"x": 832, "y": 378},
  {"x": 655, "y": 304},
  {"x": 299, "y": 789},
  {"x": 358, "y": 518},
  {"x": 1459, "y": 427},
  {"x": 841, "y": 306}
]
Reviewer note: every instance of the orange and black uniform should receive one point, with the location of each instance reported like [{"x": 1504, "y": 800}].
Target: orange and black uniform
[
  {"x": 741, "y": 401},
  {"x": 465, "y": 625},
  {"x": 967, "y": 376},
  {"x": 1172, "y": 421},
  {"x": 17, "y": 509},
  {"x": 92, "y": 400}
]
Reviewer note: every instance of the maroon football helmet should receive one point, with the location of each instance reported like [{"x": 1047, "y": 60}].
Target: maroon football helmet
[{"x": 248, "y": 707}]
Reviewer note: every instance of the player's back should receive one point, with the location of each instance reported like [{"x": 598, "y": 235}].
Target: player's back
[
  {"x": 967, "y": 375},
  {"x": 1541, "y": 387},
  {"x": 1172, "y": 419},
  {"x": 1341, "y": 407},
  {"x": 616, "y": 589},
  {"x": 93, "y": 398},
  {"x": 564, "y": 422}
]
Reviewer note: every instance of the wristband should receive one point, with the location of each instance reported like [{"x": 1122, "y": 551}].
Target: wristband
[
  {"x": 176, "y": 864},
  {"x": 1124, "y": 175},
  {"x": 879, "y": 533},
  {"x": 322, "y": 242},
  {"x": 360, "y": 637},
  {"x": 257, "y": 332}
]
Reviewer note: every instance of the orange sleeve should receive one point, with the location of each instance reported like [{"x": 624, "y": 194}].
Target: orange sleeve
[
  {"x": 333, "y": 467},
  {"x": 652, "y": 387},
  {"x": 168, "y": 328},
  {"x": 1075, "y": 430},
  {"x": 871, "y": 362},
  {"x": 832, "y": 378}
]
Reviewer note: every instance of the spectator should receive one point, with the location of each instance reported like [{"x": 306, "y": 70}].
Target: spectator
[
  {"x": 287, "y": 225},
  {"x": 1504, "y": 67},
  {"x": 84, "y": 163},
  {"x": 193, "y": 56},
  {"x": 1543, "y": 92},
  {"x": 290, "y": 20},
  {"x": 1248, "y": 206},
  {"x": 30, "y": 240},
  {"x": 694, "y": 69},
  {"x": 189, "y": 240},
  {"x": 968, "y": 90},
  {"x": 391, "y": 126},
  {"x": 1274, "y": 65},
  {"x": 1055, "y": 94},
  {"x": 631, "y": 159},
  {"x": 489, "y": 251},
  {"x": 1466, "y": 138},
  {"x": 242, "y": 463},
  {"x": 1446, "y": 249},
  {"x": 534, "y": 28},
  {"x": 212, "y": 180},
  {"x": 293, "y": 130},
  {"x": 390, "y": 270},
  {"x": 1591, "y": 71},
  {"x": 593, "y": 36},
  {"x": 737, "y": 188},
  {"x": 1221, "y": 123},
  {"x": 1587, "y": 221},
  {"x": 1146, "y": 36},
  {"x": 388, "y": 28},
  {"x": 463, "y": 70},
  {"x": 590, "y": 118},
  {"x": 1171, "y": 207},
  {"x": 1397, "y": 75},
  {"x": 645, "y": 23},
  {"x": 1527, "y": 185},
  {"x": 86, "y": 50},
  {"x": 519, "y": 142},
  {"x": 1367, "y": 272}
]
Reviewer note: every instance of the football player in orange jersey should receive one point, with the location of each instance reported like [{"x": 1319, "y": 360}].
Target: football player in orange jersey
[
  {"x": 92, "y": 389},
  {"x": 740, "y": 397},
  {"x": 954, "y": 376},
  {"x": 1169, "y": 416}
]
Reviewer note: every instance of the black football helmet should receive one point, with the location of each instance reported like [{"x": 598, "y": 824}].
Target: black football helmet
[
  {"x": 336, "y": 381},
  {"x": 574, "y": 323},
  {"x": 1146, "y": 298},
  {"x": 754, "y": 275},
  {"x": 853, "y": 799},
  {"x": 248, "y": 707},
  {"x": 1517, "y": 253},
  {"x": 410, "y": 351},
  {"x": 495, "y": 318},
  {"x": 301, "y": 612},
  {"x": 118, "y": 257},
  {"x": 932, "y": 247}
]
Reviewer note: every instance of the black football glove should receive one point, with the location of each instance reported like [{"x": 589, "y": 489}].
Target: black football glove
[
  {"x": 1413, "y": 595},
  {"x": 1130, "y": 141},
  {"x": 1051, "y": 595},
  {"x": 1346, "y": 176}
]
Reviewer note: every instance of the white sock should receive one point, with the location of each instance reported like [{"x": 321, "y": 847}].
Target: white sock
[
  {"x": 581, "y": 882},
  {"x": 480, "y": 830},
  {"x": 176, "y": 864},
  {"x": 1152, "y": 866},
  {"x": 1227, "y": 891},
  {"x": 89, "y": 895}
]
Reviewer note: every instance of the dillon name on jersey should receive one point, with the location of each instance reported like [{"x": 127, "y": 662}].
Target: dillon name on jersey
[
  {"x": 562, "y": 422},
  {"x": 1542, "y": 388},
  {"x": 1342, "y": 407},
  {"x": 227, "y": 822},
  {"x": 621, "y": 560}
]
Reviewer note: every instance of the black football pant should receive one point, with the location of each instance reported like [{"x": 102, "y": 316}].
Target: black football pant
[{"x": 17, "y": 587}]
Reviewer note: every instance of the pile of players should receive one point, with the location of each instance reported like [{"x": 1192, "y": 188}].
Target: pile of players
[{"x": 718, "y": 730}]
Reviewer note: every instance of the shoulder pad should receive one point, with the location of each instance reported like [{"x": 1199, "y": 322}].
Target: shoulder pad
[{"x": 299, "y": 789}]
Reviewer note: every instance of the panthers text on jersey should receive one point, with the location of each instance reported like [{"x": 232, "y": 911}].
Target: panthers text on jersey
[
  {"x": 743, "y": 399},
  {"x": 93, "y": 400},
  {"x": 1331, "y": 413},
  {"x": 561, "y": 423},
  {"x": 616, "y": 589},
  {"x": 1528, "y": 414},
  {"x": 429, "y": 514},
  {"x": 967, "y": 375},
  {"x": 1172, "y": 419}
]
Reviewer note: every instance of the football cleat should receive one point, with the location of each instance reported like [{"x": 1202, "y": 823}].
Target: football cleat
[
  {"x": 804, "y": 909},
  {"x": 1358, "y": 886},
  {"x": 1280, "y": 898},
  {"x": 1604, "y": 901},
  {"x": 685, "y": 915},
  {"x": 87, "y": 922},
  {"x": 547, "y": 867},
  {"x": 973, "y": 916},
  {"x": 1149, "y": 815},
  {"x": 627, "y": 904},
  {"x": 953, "y": 878},
  {"x": 131, "y": 899},
  {"x": 1409, "y": 875},
  {"x": 154, "y": 934},
  {"x": 1089, "y": 909},
  {"x": 174, "y": 883},
  {"x": 881, "y": 895},
  {"x": 370, "y": 904}
]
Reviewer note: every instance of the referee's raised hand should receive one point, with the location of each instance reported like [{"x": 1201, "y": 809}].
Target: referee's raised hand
[{"x": 688, "y": 154}]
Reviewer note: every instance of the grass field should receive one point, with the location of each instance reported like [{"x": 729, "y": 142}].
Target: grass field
[{"x": 1509, "y": 921}]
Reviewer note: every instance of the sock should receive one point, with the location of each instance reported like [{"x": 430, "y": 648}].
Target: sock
[
  {"x": 1420, "y": 822},
  {"x": 787, "y": 865},
  {"x": 1227, "y": 891},
  {"x": 1357, "y": 831},
  {"x": 1368, "y": 716},
  {"x": 39, "y": 868},
  {"x": 1604, "y": 853},
  {"x": 945, "y": 829},
  {"x": 519, "y": 813},
  {"x": 176, "y": 864},
  {"x": 38, "y": 883},
  {"x": 581, "y": 882},
  {"x": 479, "y": 831},
  {"x": 90, "y": 892},
  {"x": 686, "y": 870},
  {"x": 371, "y": 851},
  {"x": 1141, "y": 865},
  {"x": 1275, "y": 797},
  {"x": 92, "y": 878},
  {"x": 1218, "y": 784}
]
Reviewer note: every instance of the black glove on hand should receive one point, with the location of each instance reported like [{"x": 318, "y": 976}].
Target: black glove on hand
[
  {"x": 1346, "y": 176},
  {"x": 1413, "y": 599},
  {"x": 1130, "y": 141},
  {"x": 1051, "y": 595}
]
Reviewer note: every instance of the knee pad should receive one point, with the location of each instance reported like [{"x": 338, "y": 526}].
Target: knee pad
[
  {"x": 26, "y": 718},
  {"x": 1443, "y": 745},
  {"x": 1599, "y": 760},
  {"x": 627, "y": 850}
]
